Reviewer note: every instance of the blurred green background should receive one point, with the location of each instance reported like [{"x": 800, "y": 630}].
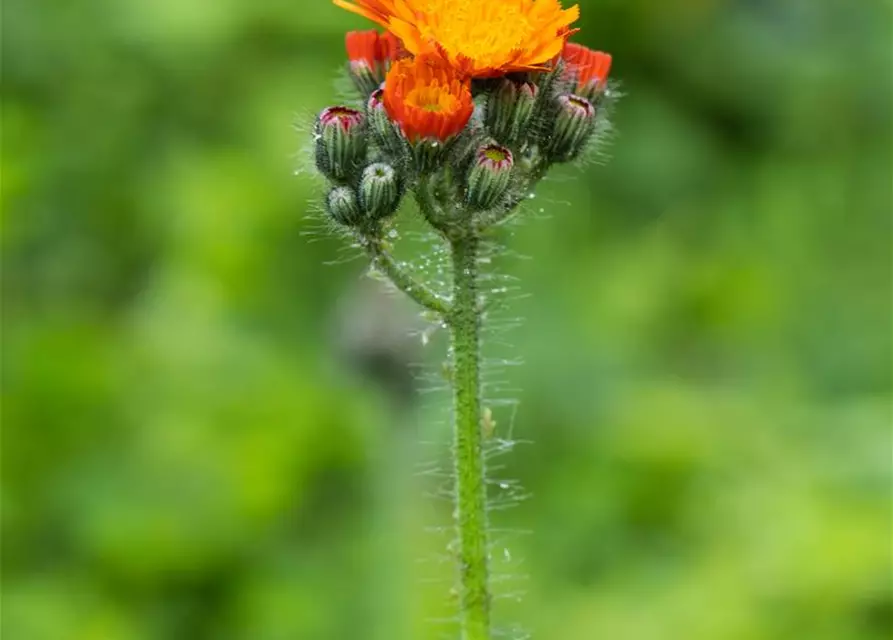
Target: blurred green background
[{"x": 209, "y": 429}]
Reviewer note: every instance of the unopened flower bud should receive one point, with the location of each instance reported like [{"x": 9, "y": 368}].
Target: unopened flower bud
[
  {"x": 380, "y": 191},
  {"x": 340, "y": 142},
  {"x": 501, "y": 108},
  {"x": 527, "y": 95},
  {"x": 341, "y": 203},
  {"x": 573, "y": 128},
  {"x": 509, "y": 110},
  {"x": 489, "y": 176},
  {"x": 386, "y": 133}
]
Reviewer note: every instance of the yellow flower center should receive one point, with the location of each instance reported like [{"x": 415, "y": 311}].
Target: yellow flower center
[
  {"x": 434, "y": 99},
  {"x": 495, "y": 154}
]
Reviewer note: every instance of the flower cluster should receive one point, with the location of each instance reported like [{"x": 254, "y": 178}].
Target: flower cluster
[
  {"x": 466, "y": 104},
  {"x": 484, "y": 96}
]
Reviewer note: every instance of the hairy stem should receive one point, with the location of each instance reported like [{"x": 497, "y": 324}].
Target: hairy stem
[
  {"x": 402, "y": 280},
  {"x": 470, "y": 487}
]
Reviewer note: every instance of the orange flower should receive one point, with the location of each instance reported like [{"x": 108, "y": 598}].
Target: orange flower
[
  {"x": 371, "y": 54},
  {"x": 427, "y": 98},
  {"x": 480, "y": 38},
  {"x": 372, "y": 48},
  {"x": 588, "y": 68}
]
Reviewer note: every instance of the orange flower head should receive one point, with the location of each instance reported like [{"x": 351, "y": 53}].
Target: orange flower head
[
  {"x": 480, "y": 38},
  {"x": 588, "y": 68},
  {"x": 427, "y": 98}
]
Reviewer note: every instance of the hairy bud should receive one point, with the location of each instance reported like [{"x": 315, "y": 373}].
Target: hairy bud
[
  {"x": 527, "y": 96},
  {"x": 385, "y": 133},
  {"x": 341, "y": 144},
  {"x": 380, "y": 191},
  {"x": 573, "y": 127},
  {"x": 489, "y": 176},
  {"x": 429, "y": 154},
  {"x": 509, "y": 110},
  {"x": 342, "y": 206}
]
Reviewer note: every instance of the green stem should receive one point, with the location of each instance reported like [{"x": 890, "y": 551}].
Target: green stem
[
  {"x": 470, "y": 488},
  {"x": 402, "y": 280}
]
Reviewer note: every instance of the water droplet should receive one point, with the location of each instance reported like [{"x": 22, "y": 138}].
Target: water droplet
[
  {"x": 507, "y": 555},
  {"x": 504, "y": 485},
  {"x": 531, "y": 196},
  {"x": 393, "y": 233}
]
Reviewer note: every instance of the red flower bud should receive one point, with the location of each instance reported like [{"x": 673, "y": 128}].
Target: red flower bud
[{"x": 341, "y": 144}]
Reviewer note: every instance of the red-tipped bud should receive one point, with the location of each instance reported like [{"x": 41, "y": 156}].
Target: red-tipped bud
[
  {"x": 489, "y": 176},
  {"x": 340, "y": 135},
  {"x": 573, "y": 128}
]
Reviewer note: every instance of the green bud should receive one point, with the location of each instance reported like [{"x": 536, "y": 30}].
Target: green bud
[
  {"x": 573, "y": 128},
  {"x": 341, "y": 203},
  {"x": 501, "y": 109},
  {"x": 340, "y": 135},
  {"x": 509, "y": 110},
  {"x": 527, "y": 96},
  {"x": 386, "y": 134},
  {"x": 489, "y": 176},
  {"x": 380, "y": 191},
  {"x": 429, "y": 154}
]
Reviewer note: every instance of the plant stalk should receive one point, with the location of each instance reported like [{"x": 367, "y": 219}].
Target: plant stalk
[
  {"x": 470, "y": 481},
  {"x": 402, "y": 280}
]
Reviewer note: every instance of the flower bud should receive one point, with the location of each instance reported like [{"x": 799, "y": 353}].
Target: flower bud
[
  {"x": 573, "y": 128},
  {"x": 527, "y": 96},
  {"x": 341, "y": 203},
  {"x": 489, "y": 176},
  {"x": 380, "y": 191},
  {"x": 501, "y": 108},
  {"x": 509, "y": 110},
  {"x": 385, "y": 133},
  {"x": 340, "y": 135}
]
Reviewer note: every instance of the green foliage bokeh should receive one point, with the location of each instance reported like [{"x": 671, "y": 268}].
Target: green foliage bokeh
[{"x": 208, "y": 431}]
